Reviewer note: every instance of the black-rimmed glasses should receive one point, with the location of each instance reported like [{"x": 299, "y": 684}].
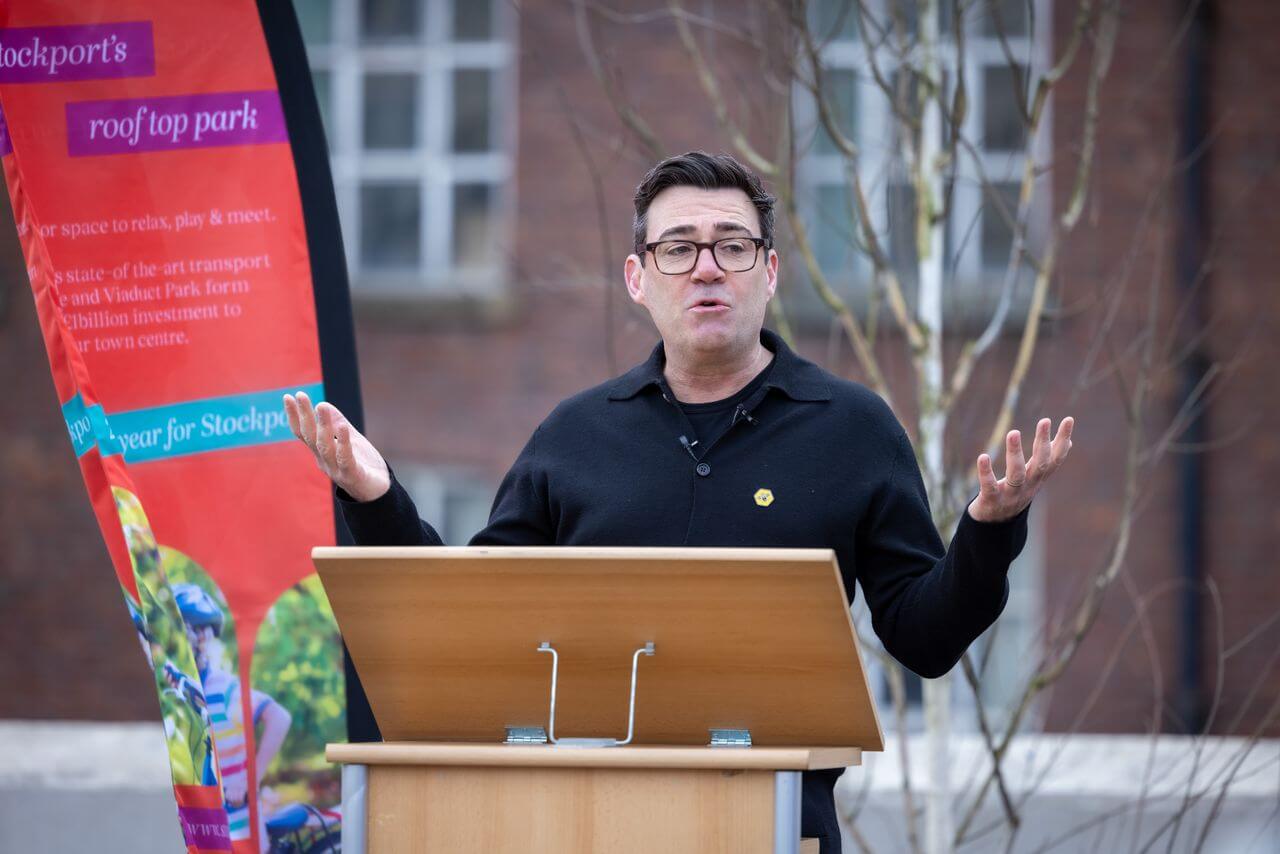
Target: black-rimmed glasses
[{"x": 731, "y": 254}]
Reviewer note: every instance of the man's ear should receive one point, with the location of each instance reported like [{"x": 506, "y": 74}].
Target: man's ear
[
  {"x": 633, "y": 272},
  {"x": 771, "y": 272}
]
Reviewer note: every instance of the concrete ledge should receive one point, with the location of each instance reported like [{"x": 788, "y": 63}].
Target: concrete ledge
[
  {"x": 1093, "y": 765},
  {"x": 74, "y": 787},
  {"x": 79, "y": 755}
]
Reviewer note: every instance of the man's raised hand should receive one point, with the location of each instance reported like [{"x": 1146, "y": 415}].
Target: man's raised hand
[
  {"x": 345, "y": 456},
  {"x": 1001, "y": 500}
]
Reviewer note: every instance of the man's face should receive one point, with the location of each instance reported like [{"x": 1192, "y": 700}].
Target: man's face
[{"x": 705, "y": 311}]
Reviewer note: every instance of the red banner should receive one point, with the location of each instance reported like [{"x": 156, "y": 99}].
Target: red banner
[{"x": 149, "y": 164}]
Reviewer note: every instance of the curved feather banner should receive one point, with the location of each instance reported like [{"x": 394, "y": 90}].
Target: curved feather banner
[{"x": 169, "y": 181}]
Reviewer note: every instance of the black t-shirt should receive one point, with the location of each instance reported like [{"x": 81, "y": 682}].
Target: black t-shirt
[{"x": 711, "y": 419}]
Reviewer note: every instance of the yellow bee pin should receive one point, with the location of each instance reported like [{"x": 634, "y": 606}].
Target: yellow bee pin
[{"x": 764, "y": 497}]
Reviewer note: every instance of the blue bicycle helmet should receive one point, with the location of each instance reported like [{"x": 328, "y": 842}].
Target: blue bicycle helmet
[{"x": 197, "y": 607}]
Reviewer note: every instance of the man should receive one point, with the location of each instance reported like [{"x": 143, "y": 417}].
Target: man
[{"x": 724, "y": 437}]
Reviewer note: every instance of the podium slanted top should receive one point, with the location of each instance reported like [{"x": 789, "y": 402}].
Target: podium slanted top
[{"x": 445, "y": 640}]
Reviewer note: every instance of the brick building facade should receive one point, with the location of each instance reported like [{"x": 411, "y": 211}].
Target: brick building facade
[{"x": 454, "y": 383}]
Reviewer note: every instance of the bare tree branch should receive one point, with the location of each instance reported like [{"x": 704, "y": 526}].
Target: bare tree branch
[
  {"x": 621, "y": 107},
  {"x": 861, "y": 348},
  {"x": 1010, "y": 812},
  {"x": 885, "y": 274},
  {"x": 711, "y": 86},
  {"x": 1097, "y": 71},
  {"x": 970, "y": 353},
  {"x": 602, "y": 220}
]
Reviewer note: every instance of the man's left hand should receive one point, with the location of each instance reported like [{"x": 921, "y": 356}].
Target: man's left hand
[{"x": 1001, "y": 500}]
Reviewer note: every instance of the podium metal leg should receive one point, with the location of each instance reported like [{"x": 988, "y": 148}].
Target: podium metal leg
[
  {"x": 786, "y": 812},
  {"x": 355, "y": 808}
]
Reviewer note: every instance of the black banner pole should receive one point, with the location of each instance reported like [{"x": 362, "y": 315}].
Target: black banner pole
[{"x": 328, "y": 268}]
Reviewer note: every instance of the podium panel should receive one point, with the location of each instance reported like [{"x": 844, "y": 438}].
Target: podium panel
[
  {"x": 497, "y": 799},
  {"x": 569, "y": 811},
  {"x": 446, "y": 641}
]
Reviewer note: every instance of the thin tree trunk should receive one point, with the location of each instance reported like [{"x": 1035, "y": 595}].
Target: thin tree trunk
[{"x": 939, "y": 831}]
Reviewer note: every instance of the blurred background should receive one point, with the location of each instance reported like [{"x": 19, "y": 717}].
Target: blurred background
[{"x": 988, "y": 211}]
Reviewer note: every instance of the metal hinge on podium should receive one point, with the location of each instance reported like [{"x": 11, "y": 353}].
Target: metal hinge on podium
[
  {"x": 526, "y": 735},
  {"x": 730, "y": 738}
]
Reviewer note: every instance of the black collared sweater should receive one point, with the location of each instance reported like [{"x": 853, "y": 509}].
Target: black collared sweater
[{"x": 608, "y": 468}]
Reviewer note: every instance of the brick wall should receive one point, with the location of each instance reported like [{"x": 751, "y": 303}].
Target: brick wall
[
  {"x": 1129, "y": 238},
  {"x": 468, "y": 393}
]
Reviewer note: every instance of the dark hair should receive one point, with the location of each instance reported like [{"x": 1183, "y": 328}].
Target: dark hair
[{"x": 707, "y": 172}]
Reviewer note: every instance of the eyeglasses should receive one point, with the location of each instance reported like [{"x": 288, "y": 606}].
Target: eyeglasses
[{"x": 731, "y": 254}]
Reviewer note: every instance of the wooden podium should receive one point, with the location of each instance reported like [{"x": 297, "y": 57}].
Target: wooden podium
[{"x": 540, "y": 700}]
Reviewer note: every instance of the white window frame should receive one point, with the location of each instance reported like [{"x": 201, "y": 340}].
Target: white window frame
[
  {"x": 432, "y": 163},
  {"x": 875, "y": 130}
]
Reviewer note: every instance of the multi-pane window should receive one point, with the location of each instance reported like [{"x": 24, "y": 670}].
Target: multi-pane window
[
  {"x": 997, "y": 71},
  {"x": 418, "y": 110}
]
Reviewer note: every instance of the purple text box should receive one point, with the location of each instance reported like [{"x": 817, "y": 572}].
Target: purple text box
[
  {"x": 82, "y": 52},
  {"x": 134, "y": 125},
  {"x": 206, "y": 829}
]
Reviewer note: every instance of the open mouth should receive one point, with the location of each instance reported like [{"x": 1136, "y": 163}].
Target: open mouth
[{"x": 709, "y": 305}]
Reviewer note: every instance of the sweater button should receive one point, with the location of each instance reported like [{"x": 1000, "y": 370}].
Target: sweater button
[{"x": 703, "y": 469}]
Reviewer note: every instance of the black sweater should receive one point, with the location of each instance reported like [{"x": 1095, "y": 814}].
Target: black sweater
[{"x": 607, "y": 467}]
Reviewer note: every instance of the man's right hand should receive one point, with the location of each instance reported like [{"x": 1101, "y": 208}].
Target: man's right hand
[{"x": 345, "y": 456}]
